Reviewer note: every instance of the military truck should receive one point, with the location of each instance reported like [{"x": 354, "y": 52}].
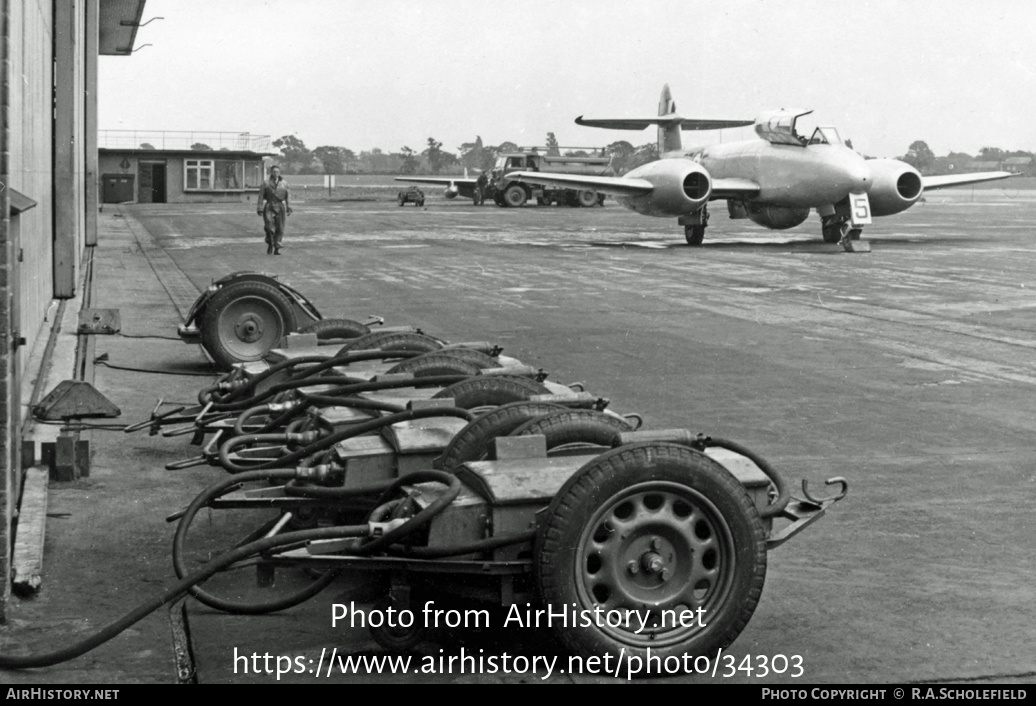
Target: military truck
[{"x": 507, "y": 192}]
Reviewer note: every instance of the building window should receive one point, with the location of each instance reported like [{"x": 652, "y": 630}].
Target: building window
[
  {"x": 222, "y": 175},
  {"x": 198, "y": 174}
]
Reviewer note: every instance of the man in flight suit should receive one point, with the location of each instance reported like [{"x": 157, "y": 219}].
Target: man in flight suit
[{"x": 274, "y": 207}]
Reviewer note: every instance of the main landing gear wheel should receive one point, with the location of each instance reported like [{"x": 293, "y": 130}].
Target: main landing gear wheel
[
  {"x": 659, "y": 529},
  {"x": 515, "y": 196},
  {"x": 695, "y": 234},
  {"x": 244, "y": 321}
]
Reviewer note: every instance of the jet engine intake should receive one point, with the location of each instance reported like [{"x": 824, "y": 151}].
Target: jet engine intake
[
  {"x": 451, "y": 191},
  {"x": 776, "y": 217},
  {"x": 680, "y": 187},
  {"x": 895, "y": 186}
]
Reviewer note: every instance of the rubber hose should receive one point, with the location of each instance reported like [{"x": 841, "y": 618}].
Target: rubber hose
[
  {"x": 176, "y": 591},
  {"x": 471, "y": 548},
  {"x": 329, "y": 441},
  {"x": 783, "y": 492}
]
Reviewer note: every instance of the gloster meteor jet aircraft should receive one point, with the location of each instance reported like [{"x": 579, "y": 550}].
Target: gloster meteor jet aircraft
[{"x": 773, "y": 181}]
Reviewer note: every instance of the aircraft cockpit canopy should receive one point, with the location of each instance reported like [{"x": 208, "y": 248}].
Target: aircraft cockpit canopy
[
  {"x": 778, "y": 127},
  {"x": 826, "y": 135}
]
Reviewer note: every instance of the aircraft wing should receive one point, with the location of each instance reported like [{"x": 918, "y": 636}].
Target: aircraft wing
[
  {"x": 642, "y": 123},
  {"x": 941, "y": 182},
  {"x": 733, "y": 188},
  {"x": 618, "y": 186},
  {"x": 445, "y": 181}
]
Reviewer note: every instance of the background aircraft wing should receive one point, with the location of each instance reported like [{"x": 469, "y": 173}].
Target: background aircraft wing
[
  {"x": 618, "y": 186},
  {"x": 941, "y": 182},
  {"x": 733, "y": 188},
  {"x": 446, "y": 181},
  {"x": 642, "y": 123}
]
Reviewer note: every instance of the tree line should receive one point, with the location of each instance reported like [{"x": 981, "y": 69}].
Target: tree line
[
  {"x": 475, "y": 156},
  {"x": 922, "y": 158}
]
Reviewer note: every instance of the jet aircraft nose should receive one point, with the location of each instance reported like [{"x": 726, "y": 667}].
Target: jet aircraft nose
[{"x": 860, "y": 179}]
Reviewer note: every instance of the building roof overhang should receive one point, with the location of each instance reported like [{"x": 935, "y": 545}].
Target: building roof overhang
[{"x": 118, "y": 23}]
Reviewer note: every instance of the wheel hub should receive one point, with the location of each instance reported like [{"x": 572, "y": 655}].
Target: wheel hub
[{"x": 249, "y": 328}]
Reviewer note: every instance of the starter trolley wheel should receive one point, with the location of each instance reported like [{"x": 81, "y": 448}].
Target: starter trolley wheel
[
  {"x": 336, "y": 328},
  {"x": 244, "y": 321},
  {"x": 654, "y": 530},
  {"x": 395, "y": 637}
]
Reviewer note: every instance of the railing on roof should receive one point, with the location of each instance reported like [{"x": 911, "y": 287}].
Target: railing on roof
[{"x": 181, "y": 140}]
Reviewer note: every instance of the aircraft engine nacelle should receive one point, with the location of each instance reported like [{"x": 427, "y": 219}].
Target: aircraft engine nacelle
[
  {"x": 895, "y": 186},
  {"x": 680, "y": 187},
  {"x": 776, "y": 217},
  {"x": 451, "y": 191}
]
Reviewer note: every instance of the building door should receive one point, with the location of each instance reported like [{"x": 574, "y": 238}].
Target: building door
[
  {"x": 158, "y": 183},
  {"x": 144, "y": 183},
  {"x": 118, "y": 188}
]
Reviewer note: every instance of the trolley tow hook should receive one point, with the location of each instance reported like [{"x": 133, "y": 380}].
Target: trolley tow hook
[
  {"x": 820, "y": 502},
  {"x": 373, "y": 320},
  {"x": 155, "y": 419}
]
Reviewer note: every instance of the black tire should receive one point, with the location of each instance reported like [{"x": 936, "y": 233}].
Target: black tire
[
  {"x": 575, "y": 426},
  {"x": 695, "y": 235},
  {"x": 244, "y": 321},
  {"x": 472, "y": 442},
  {"x": 396, "y": 638},
  {"x": 393, "y": 341},
  {"x": 402, "y": 200},
  {"x": 336, "y": 328},
  {"x": 831, "y": 230},
  {"x": 420, "y": 203},
  {"x": 515, "y": 196},
  {"x": 473, "y": 360},
  {"x": 434, "y": 365},
  {"x": 491, "y": 391},
  {"x": 652, "y": 527},
  {"x": 587, "y": 199}
]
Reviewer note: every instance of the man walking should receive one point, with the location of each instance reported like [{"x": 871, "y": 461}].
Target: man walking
[{"x": 275, "y": 208}]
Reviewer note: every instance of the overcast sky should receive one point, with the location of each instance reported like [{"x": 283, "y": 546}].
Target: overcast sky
[{"x": 959, "y": 74}]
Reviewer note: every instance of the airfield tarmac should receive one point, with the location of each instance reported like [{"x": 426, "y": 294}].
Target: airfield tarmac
[{"x": 908, "y": 370}]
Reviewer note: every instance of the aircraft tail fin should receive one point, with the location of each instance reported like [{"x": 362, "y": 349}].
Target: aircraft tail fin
[{"x": 669, "y": 131}]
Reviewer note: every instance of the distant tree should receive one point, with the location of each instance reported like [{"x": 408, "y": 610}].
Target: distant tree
[
  {"x": 436, "y": 157},
  {"x": 506, "y": 147},
  {"x": 576, "y": 153},
  {"x": 642, "y": 155},
  {"x": 553, "y": 149},
  {"x": 621, "y": 152},
  {"x": 200, "y": 147},
  {"x": 919, "y": 155},
  {"x": 991, "y": 154},
  {"x": 409, "y": 165},
  {"x": 296, "y": 156},
  {"x": 146, "y": 146},
  {"x": 333, "y": 158}
]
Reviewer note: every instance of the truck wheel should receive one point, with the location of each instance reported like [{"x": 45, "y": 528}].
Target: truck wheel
[
  {"x": 491, "y": 391},
  {"x": 402, "y": 199},
  {"x": 587, "y": 199},
  {"x": 244, "y": 321},
  {"x": 660, "y": 530},
  {"x": 472, "y": 442},
  {"x": 336, "y": 328},
  {"x": 515, "y": 196},
  {"x": 396, "y": 638}
]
